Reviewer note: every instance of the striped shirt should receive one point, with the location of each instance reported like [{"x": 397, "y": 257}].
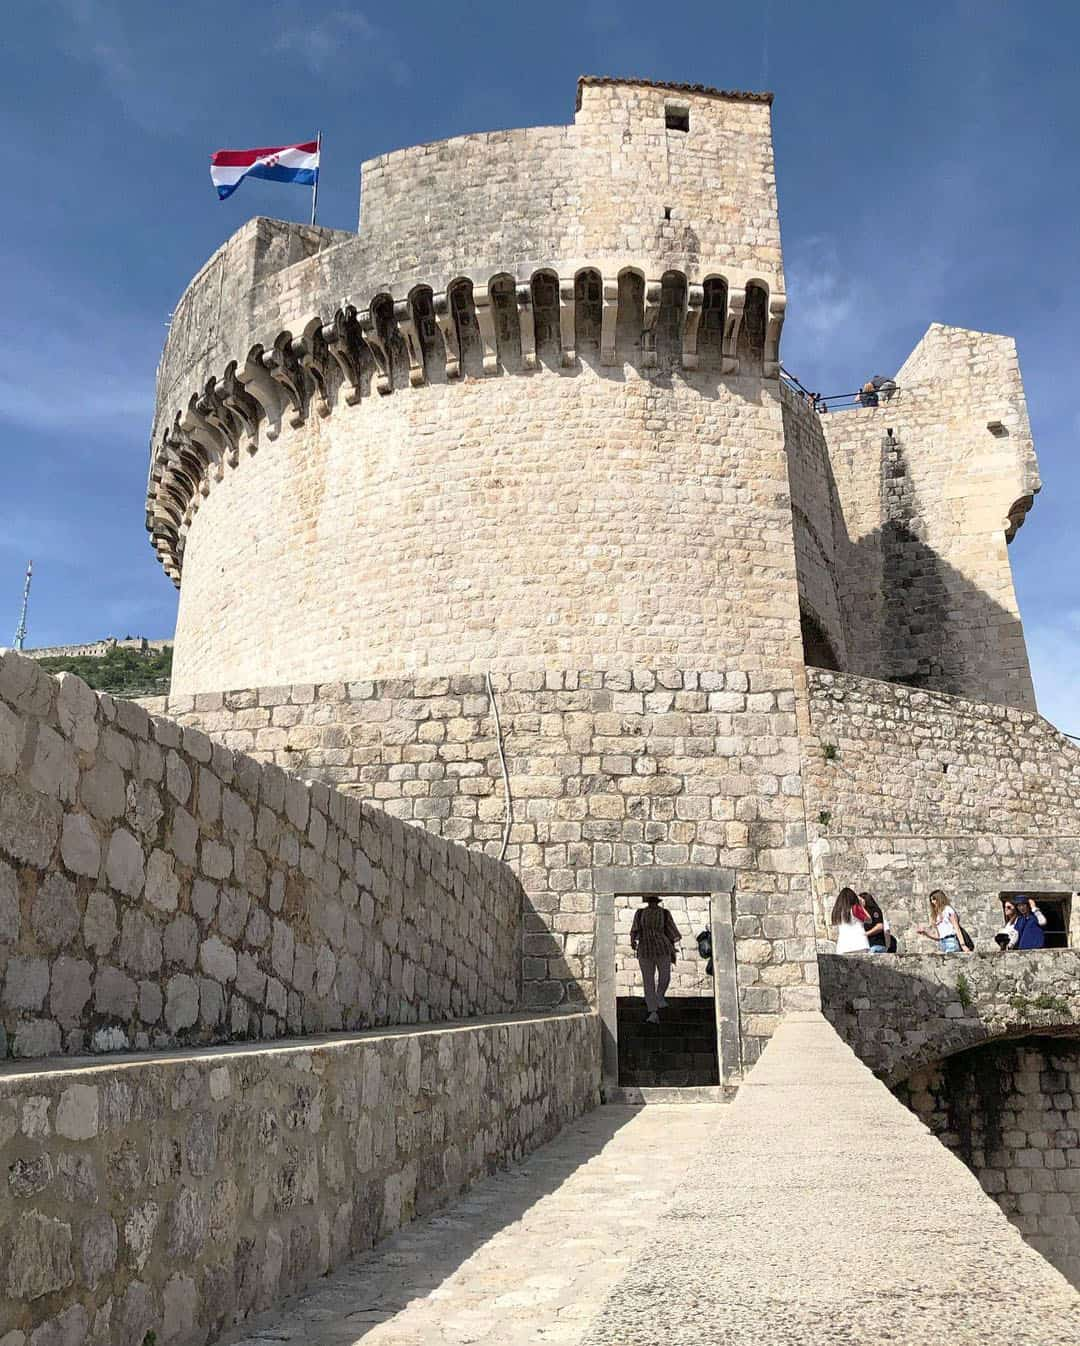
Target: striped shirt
[{"x": 654, "y": 932}]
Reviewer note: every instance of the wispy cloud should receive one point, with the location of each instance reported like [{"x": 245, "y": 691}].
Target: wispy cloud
[
  {"x": 345, "y": 37},
  {"x": 140, "y": 74}
]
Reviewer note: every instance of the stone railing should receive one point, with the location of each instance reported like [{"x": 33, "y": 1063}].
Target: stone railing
[
  {"x": 157, "y": 889},
  {"x": 472, "y": 326},
  {"x": 901, "y": 1014},
  {"x": 166, "y": 1198}
]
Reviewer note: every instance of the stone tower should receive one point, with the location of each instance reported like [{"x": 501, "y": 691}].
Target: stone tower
[{"x": 528, "y": 423}]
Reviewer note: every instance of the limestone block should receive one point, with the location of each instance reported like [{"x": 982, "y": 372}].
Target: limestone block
[
  {"x": 217, "y": 959},
  {"x": 181, "y": 1002},
  {"x": 26, "y": 983},
  {"x": 98, "y": 1248},
  {"x": 40, "y": 1258},
  {"x": 54, "y": 915},
  {"x": 102, "y": 790},
  {"x": 162, "y": 883},
  {"x": 140, "y": 942},
  {"x": 36, "y": 1037},
  {"x": 180, "y": 941},
  {"x": 29, "y": 825},
  {"x": 70, "y": 991},
  {"x": 12, "y": 740},
  {"x": 54, "y": 771},
  {"x": 139, "y": 1230},
  {"x": 124, "y": 865},
  {"x": 80, "y": 848}
]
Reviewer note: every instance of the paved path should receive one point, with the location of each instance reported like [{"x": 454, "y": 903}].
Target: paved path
[
  {"x": 527, "y": 1256},
  {"x": 794, "y": 1235}
]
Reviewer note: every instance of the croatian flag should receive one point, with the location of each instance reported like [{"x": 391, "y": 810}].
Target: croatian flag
[{"x": 279, "y": 163}]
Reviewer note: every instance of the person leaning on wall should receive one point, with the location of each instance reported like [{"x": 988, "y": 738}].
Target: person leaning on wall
[{"x": 1028, "y": 925}]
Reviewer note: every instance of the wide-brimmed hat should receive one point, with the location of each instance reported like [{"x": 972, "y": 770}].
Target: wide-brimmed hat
[{"x": 652, "y": 897}]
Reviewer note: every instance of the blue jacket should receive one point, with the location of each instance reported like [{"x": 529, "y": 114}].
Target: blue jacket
[{"x": 1030, "y": 933}]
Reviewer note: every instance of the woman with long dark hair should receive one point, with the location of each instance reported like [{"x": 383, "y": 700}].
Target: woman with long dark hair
[{"x": 848, "y": 917}]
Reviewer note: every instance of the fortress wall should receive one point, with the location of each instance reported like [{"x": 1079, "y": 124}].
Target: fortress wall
[
  {"x": 157, "y": 888},
  {"x": 168, "y": 1197},
  {"x": 950, "y": 490},
  {"x": 647, "y": 767},
  {"x": 927, "y": 791},
  {"x": 817, "y": 521},
  {"x": 1011, "y": 1111},
  {"x": 578, "y": 518}
]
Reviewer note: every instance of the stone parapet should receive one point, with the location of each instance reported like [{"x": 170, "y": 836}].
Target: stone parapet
[
  {"x": 157, "y": 888},
  {"x": 902, "y": 1014},
  {"x": 167, "y": 1197}
]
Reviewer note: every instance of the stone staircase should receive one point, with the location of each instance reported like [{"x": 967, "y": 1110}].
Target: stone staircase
[{"x": 680, "y": 1051}]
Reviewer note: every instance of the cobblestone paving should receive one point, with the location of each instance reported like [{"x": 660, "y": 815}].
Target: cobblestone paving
[{"x": 527, "y": 1256}]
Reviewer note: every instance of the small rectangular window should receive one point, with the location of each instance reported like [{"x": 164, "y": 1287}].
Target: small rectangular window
[{"x": 677, "y": 118}]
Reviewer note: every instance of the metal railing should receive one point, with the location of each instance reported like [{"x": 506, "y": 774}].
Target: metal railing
[{"x": 827, "y": 402}]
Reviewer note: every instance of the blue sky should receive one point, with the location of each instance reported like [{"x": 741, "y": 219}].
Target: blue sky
[{"x": 926, "y": 157}]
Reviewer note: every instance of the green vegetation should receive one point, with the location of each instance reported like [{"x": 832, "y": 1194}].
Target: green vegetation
[
  {"x": 824, "y": 818},
  {"x": 120, "y": 672},
  {"x": 831, "y": 751},
  {"x": 1023, "y": 1004},
  {"x": 963, "y": 991}
]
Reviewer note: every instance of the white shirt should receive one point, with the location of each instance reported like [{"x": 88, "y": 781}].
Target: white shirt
[
  {"x": 945, "y": 926},
  {"x": 851, "y": 937}
]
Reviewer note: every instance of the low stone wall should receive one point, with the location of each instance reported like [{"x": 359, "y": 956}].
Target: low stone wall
[
  {"x": 901, "y": 1014},
  {"x": 1011, "y": 1111},
  {"x": 158, "y": 888},
  {"x": 177, "y": 1194},
  {"x": 908, "y": 791}
]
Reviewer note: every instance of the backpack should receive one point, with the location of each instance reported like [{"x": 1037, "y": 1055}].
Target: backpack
[
  {"x": 890, "y": 944},
  {"x": 969, "y": 943}
]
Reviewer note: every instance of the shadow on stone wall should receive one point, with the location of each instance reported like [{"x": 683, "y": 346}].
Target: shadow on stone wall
[{"x": 909, "y": 615}]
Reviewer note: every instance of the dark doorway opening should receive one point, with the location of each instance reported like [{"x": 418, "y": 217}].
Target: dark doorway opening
[{"x": 678, "y": 1051}]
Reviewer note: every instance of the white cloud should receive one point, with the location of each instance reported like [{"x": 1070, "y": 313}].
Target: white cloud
[{"x": 347, "y": 37}]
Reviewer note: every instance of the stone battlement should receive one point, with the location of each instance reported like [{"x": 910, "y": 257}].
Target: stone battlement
[{"x": 721, "y": 324}]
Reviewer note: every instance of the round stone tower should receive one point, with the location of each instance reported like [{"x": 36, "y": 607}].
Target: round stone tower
[
  {"x": 518, "y": 445},
  {"x": 528, "y": 417}
]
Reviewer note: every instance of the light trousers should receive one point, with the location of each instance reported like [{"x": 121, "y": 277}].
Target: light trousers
[{"x": 655, "y": 973}]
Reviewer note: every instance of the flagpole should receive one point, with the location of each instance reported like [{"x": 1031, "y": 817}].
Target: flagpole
[{"x": 315, "y": 188}]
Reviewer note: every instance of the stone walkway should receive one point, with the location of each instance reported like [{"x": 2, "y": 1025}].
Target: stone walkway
[
  {"x": 828, "y": 1215},
  {"x": 527, "y": 1256}
]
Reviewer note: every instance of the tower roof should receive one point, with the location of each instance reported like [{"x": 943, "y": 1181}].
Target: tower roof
[{"x": 733, "y": 95}]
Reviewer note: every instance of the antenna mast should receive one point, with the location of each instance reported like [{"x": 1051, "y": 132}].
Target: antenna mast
[{"x": 20, "y": 633}]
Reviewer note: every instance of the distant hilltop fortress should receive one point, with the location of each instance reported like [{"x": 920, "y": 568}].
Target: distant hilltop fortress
[
  {"x": 522, "y": 443},
  {"x": 98, "y": 649}
]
